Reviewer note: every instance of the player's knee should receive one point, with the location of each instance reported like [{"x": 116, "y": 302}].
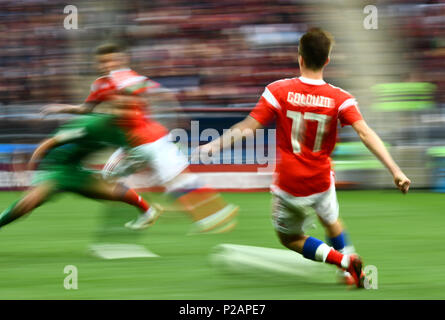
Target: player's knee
[
  {"x": 285, "y": 242},
  {"x": 119, "y": 190},
  {"x": 333, "y": 228},
  {"x": 288, "y": 240},
  {"x": 183, "y": 182}
]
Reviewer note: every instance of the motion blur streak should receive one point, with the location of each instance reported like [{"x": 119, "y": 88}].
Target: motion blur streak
[{"x": 216, "y": 57}]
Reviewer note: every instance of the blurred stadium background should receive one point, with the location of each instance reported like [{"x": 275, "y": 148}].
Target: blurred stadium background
[{"x": 217, "y": 56}]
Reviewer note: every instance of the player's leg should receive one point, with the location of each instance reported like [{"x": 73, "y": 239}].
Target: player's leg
[
  {"x": 116, "y": 166},
  {"x": 31, "y": 200},
  {"x": 119, "y": 192},
  {"x": 316, "y": 250},
  {"x": 207, "y": 208},
  {"x": 290, "y": 219},
  {"x": 109, "y": 237},
  {"x": 338, "y": 239},
  {"x": 337, "y": 236},
  {"x": 327, "y": 209},
  {"x": 97, "y": 188}
]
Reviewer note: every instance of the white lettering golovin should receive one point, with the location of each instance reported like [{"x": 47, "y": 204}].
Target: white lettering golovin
[{"x": 308, "y": 100}]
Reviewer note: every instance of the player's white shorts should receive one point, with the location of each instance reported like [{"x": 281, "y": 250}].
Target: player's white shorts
[
  {"x": 294, "y": 215},
  {"x": 163, "y": 157}
]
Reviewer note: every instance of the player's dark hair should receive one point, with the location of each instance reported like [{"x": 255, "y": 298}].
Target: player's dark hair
[
  {"x": 109, "y": 48},
  {"x": 315, "y": 47}
]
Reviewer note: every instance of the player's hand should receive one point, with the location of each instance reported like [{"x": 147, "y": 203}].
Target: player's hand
[
  {"x": 402, "y": 182},
  {"x": 51, "y": 109}
]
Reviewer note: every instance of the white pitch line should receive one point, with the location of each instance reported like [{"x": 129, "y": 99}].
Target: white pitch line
[{"x": 111, "y": 251}]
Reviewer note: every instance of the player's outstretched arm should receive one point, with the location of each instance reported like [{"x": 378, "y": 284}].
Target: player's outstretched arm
[
  {"x": 60, "y": 139},
  {"x": 40, "y": 152},
  {"x": 163, "y": 97},
  {"x": 244, "y": 128},
  {"x": 373, "y": 142},
  {"x": 162, "y": 100},
  {"x": 68, "y": 108}
]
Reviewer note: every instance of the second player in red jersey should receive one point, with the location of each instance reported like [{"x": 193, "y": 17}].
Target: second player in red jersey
[
  {"x": 138, "y": 125},
  {"x": 130, "y": 96}
]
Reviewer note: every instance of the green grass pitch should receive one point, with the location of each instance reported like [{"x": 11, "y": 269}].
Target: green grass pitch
[{"x": 403, "y": 235}]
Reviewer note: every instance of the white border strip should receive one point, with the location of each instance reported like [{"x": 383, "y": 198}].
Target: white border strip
[
  {"x": 348, "y": 103},
  {"x": 271, "y": 98}
]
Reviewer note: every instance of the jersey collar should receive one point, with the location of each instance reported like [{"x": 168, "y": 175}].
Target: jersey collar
[{"x": 312, "y": 81}]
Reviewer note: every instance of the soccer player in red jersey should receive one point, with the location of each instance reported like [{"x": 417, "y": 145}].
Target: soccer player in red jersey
[
  {"x": 306, "y": 111},
  {"x": 149, "y": 143}
]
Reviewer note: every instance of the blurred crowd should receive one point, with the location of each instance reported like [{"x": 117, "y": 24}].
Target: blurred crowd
[
  {"x": 211, "y": 52},
  {"x": 33, "y": 52},
  {"x": 222, "y": 52},
  {"x": 422, "y": 25}
]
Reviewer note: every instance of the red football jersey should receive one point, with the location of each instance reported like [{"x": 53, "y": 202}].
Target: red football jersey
[
  {"x": 140, "y": 129},
  {"x": 306, "y": 113}
]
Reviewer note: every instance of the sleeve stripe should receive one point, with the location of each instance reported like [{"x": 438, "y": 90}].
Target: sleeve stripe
[
  {"x": 271, "y": 98},
  {"x": 348, "y": 103},
  {"x": 131, "y": 81}
]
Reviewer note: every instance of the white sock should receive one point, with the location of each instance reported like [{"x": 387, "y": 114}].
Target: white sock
[
  {"x": 347, "y": 250},
  {"x": 149, "y": 212},
  {"x": 345, "y": 261},
  {"x": 322, "y": 252}
]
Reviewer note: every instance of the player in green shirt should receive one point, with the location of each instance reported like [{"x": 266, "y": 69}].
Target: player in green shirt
[{"x": 59, "y": 160}]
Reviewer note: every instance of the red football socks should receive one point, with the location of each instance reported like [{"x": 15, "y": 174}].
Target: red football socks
[
  {"x": 131, "y": 197},
  {"x": 334, "y": 257}
]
